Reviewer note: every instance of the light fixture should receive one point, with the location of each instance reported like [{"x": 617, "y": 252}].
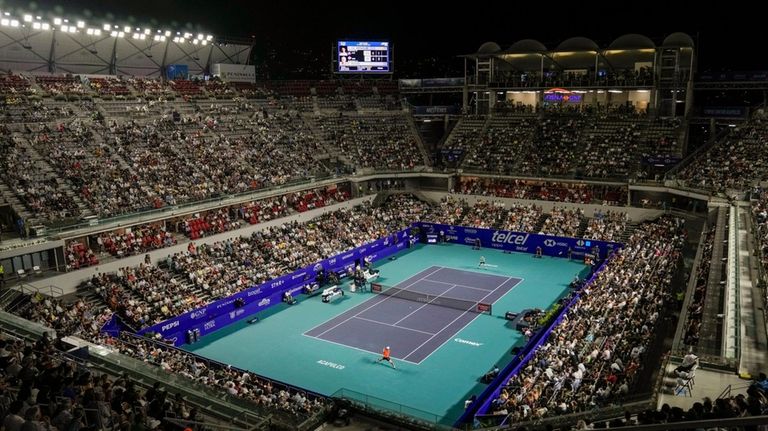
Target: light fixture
[
  {"x": 46, "y": 26},
  {"x": 5, "y": 22},
  {"x": 167, "y": 33},
  {"x": 14, "y": 23},
  {"x": 81, "y": 24},
  {"x": 57, "y": 21},
  {"x": 146, "y": 31},
  {"x": 209, "y": 38},
  {"x": 135, "y": 35},
  {"x": 36, "y": 26},
  {"x": 106, "y": 27},
  {"x": 89, "y": 32},
  {"x": 126, "y": 29},
  {"x": 27, "y": 18},
  {"x": 113, "y": 34}
]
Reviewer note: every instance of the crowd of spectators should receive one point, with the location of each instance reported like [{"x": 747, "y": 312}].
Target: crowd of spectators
[
  {"x": 35, "y": 187},
  {"x": 736, "y": 162},
  {"x": 563, "y": 222},
  {"x": 580, "y": 193},
  {"x": 562, "y": 140},
  {"x": 606, "y": 226},
  {"x": 373, "y": 141},
  {"x": 696, "y": 307},
  {"x": 592, "y": 357},
  {"x": 135, "y": 240}
]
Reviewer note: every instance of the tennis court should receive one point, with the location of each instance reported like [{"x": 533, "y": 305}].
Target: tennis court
[
  {"x": 418, "y": 315},
  {"x": 325, "y": 347}
]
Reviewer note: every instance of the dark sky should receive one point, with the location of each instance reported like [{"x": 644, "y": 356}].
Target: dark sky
[{"x": 428, "y": 35}]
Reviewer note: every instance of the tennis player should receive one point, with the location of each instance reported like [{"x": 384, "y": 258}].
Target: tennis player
[
  {"x": 385, "y": 357},
  {"x": 482, "y": 262}
]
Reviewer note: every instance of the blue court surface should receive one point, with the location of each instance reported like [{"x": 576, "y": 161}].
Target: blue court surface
[
  {"x": 440, "y": 351},
  {"x": 412, "y": 329}
]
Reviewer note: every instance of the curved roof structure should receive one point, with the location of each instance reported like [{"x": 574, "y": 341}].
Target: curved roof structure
[
  {"x": 678, "y": 40},
  {"x": 577, "y": 44},
  {"x": 526, "y": 46},
  {"x": 489, "y": 48},
  {"x": 632, "y": 41}
]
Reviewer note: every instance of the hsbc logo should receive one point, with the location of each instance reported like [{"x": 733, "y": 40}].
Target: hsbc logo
[
  {"x": 580, "y": 243},
  {"x": 549, "y": 242}
]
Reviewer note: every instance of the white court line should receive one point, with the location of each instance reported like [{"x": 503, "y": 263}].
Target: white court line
[
  {"x": 467, "y": 324},
  {"x": 356, "y": 348},
  {"x": 461, "y": 285},
  {"x": 394, "y": 325},
  {"x": 368, "y": 308},
  {"x": 425, "y": 304}
]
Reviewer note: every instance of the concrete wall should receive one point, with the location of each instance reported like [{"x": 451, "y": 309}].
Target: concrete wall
[
  {"x": 68, "y": 282},
  {"x": 636, "y": 215}
]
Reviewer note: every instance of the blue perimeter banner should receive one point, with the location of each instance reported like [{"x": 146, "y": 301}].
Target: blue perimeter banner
[
  {"x": 222, "y": 313},
  {"x": 522, "y": 242}
]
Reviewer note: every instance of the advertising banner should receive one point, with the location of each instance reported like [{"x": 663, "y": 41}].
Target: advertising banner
[
  {"x": 521, "y": 242},
  {"x": 221, "y": 313}
]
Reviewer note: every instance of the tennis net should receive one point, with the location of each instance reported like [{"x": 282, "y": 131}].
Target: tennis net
[{"x": 424, "y": 298}]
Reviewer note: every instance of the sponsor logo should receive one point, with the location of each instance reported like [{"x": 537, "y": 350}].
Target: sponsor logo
[
  {"x": 348, "y": 256},
  {"x": 171, "y": 325},
  {"x": 372, "y": 256},
  {"x": 549, "y": 242},
  {"x": 471, "y": 343},
  {"x": 198, "y": 313},
  {"x": 299, "y": 275},
  {"x": 276, "y": 284},
  {"x": 510, "y": 237},
  {"x": 233, "y": 314},
  {"x": 469, "y": 240},
  {"x": 225, "y": 303},
  {"x": 173, "y": 340},
  {"x": 580, "y": 243},
  {"x": 386, "y": 241},
  {"x": 264, "y": 302},
  {"x": 209, "y": 325},
  {"x": 519, "y": 248},
  {"x": 332, "y": 261},
  {"x": 254, "y": 292},
  {"x": 331, "y": 364},
  {"x": 468, "y": 231}
]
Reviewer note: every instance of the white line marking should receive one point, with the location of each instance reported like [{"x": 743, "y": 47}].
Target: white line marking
[
  {"x": 460, "y": 285},
  {"x": 368, "y": 308},
  {"x": 394, "y": 325},
  {"x": 467, "y": 324},
  {"x": 359, "y": 349},
  {"x": 425, "y": 304}
]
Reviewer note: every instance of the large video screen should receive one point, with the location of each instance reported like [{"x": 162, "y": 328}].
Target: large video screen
[{"x": 363, "y": 57}]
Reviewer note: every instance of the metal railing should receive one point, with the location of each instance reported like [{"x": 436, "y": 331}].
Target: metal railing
[{"x": 391, "y": 411}]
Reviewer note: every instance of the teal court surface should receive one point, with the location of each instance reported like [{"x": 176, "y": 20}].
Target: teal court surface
[{"x": 440, "y": 344}]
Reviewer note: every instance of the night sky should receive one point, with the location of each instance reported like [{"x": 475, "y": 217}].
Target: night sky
[{"x": 294, "y": 39}]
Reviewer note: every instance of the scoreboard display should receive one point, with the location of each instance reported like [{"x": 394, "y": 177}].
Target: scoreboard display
[{"x": 363, "y": 57}]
